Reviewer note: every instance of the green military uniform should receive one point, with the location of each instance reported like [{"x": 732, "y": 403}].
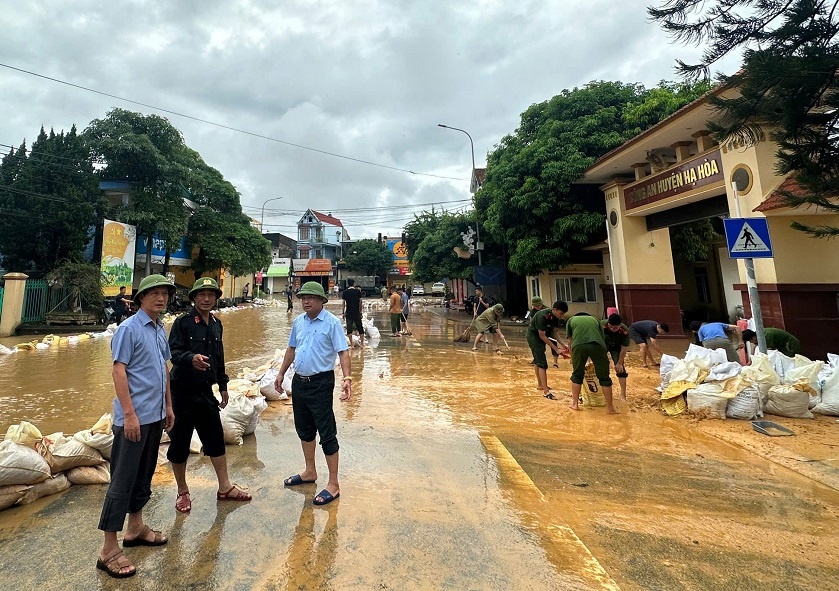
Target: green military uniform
[
  {"x": 545, "y": 321},
  {"x": 587, "y": 342},
  {"x": 782, "y": 341}
]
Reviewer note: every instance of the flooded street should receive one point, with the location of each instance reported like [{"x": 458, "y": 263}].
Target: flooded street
[{"x": 455, "y": 474}]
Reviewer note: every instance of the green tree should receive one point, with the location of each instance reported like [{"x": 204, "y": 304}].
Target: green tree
[
  {"x": 370, "y": 257},
  {"x": 787, "y": 85},
  {"x": 226, "y": 241},
  {"x": 530, "y": 202},
  {"x": 50, "y": 202},
  {"x": 149, "y": 152},
  {"x": 431, "y": 238},
  {"x": 85, "y": 281},
  {"x": 693, "y": 241}
]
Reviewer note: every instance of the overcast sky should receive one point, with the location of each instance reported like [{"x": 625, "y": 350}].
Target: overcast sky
[{"x": 367, "y": 80}]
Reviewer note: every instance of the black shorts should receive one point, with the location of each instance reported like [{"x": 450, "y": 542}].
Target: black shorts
[
  {"x": 354, "y": 321},
  {"x": 196, "y": 409},
  {"x": 636, "y": 337},
  {"x": 311, "y": 404}
]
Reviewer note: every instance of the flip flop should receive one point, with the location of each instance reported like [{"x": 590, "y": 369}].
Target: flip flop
[
  {"x": 159, "y": 539},
  {"x": 326, "y": 496},
  {"x": 550, "y": 396},
  {"x": 297, "y": 480}
]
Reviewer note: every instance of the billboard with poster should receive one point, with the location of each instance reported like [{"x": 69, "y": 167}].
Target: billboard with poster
[{"x": 118, "y": 244}]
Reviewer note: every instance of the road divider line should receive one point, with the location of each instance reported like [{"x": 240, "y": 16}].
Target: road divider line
[{"x": 561, "y": 534}]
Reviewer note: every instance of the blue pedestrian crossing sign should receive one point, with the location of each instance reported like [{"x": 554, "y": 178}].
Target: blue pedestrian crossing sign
[{"x": 748, "y": 238}]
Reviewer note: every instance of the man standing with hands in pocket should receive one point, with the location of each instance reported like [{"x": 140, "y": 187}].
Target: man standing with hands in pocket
[
  {"x": 316, "y": 338},
  {"x": 142, "y": 410},
  {"x": 197, "y": 364}
]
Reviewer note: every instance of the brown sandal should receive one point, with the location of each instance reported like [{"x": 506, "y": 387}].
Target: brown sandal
[
  {"x": 158, "y": 540},
  {"x": 236, "y": 493},
  {"x": 106, "y": 565},
  {"x": 183, "y": 504}
]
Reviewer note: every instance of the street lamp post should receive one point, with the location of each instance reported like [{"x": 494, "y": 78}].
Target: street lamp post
[
  {"x": 262, "y": 216},
  {"x": 477, "y": 222}
]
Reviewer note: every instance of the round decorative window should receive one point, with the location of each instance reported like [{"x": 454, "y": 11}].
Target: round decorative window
[
  {"x": 742, "y": 178},
  {"x": 613, "y": 218}
]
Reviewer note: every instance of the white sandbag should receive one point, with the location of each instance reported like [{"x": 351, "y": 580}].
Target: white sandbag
[
  {"x": 829, "y": 403},
  {"x": 833, "y": 360},
  {"x": 25, "y": 433},
  {"x": 372, "y": 331},
  {"x": 746, "y": 405},
  {"x": 724, "y": 371},
  {"x": 787, "y": 401},
  {"x": 240, "y": 416},
  {"x": 51, "y": 486},
  {"x": 805, "y": 373},
  {"x": 355, "y": 341},
  {"x": 707, "y": 358},
  {"x": 665, "y": 367},
  {"x": 90, "y": 474},
  {"x": 63, "y": 453},
  {"x": 689, "y": 370},
  {"x": 240, "y": 387},
  {"x": 708, "y": 399},
  {"x": 760, "y": 371},
  {"x": 100, "y": 437},
  {"x": 266, "y": 385},
  {"x": 780, "y": 363},
  {"x": 287, "y": 379},
  {"x": 195, "y": 445},
  {"x": 20, "y": 464},
  {"x": 259, "y": 405},
  {"x": 5, "y": 350},
  {"x": 11, "y": 494}
]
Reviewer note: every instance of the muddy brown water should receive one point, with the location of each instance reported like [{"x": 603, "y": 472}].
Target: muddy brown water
[{"x": 455, "y": 473}]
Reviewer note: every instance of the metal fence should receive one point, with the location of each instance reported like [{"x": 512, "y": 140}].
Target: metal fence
[{"x": 39, "y": 298}]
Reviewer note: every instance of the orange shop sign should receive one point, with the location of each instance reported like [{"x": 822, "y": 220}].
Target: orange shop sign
[{"x": 312, "y": 267}]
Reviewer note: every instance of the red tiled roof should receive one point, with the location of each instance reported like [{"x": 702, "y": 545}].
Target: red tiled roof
[
  {"x": 328, "y": 219},
  {"x": 776, "y": 200}
]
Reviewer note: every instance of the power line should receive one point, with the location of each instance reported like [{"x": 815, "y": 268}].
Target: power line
[
  {"x": 230, "y": 128},
  {"x": 359, "y": 209},
  {"x": 25, "y": 193}
]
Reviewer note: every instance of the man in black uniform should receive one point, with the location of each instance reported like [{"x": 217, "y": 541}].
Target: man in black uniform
[
  {"x": 197, "y": 364},
  {"x": 351, "y": 310},
  {"x": 120, "y": 305}
]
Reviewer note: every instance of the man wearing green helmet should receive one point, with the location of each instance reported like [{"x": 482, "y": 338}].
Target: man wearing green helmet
[
  {"x": 316, "y": 338},
  {"x": 142, "y": 410},
  {"x": 197, "y": 364}
]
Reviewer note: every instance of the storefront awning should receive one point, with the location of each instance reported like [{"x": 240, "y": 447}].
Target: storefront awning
[{"x": 277, "y": 271}]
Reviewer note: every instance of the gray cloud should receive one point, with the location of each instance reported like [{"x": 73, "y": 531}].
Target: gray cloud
[{"x": 369, "y": 80}]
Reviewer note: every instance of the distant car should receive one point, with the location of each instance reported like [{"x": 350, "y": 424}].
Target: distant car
[
  {"x": 417, "y": 290},
  {"x": 438, "y": 288}
]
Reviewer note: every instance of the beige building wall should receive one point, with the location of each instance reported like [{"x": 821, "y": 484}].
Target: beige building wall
[
  {"x": 800, "y": 258},
  {"x": 548, "y": 290}
]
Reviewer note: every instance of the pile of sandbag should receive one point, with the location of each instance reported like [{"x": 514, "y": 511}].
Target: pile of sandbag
[
  {"x": 705, "y": 383},
  {"x": 34, "y": 466},
  {"x": 370, "y": 329},
  {"x": 241, "y": 415},
  {"x": 266, "y": 374}
]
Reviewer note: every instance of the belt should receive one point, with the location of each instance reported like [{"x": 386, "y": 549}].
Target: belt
[{"x": 314, "y": 377}]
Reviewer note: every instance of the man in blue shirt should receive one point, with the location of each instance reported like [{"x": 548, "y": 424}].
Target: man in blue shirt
[
  {"x": 142, "y": 410},
  {"x": 316, "y": 338},
  {"x": 714, "y": 335}
]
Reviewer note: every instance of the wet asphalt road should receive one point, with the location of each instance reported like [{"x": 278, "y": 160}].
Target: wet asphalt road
[{"x": 455, "y": 474}]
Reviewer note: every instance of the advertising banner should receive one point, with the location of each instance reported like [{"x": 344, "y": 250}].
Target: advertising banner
[
  {"x": 312, "y": 267},
  {"x": 182, "y": 257},
  {"x": 118, "y": 243},
  {"x": 400, "y": 253}
]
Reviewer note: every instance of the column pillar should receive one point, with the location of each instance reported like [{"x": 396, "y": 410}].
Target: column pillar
[{"x": 12, "y": 303}]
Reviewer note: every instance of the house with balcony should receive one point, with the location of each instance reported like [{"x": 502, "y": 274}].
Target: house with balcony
[{"x": 319, "y": 247}]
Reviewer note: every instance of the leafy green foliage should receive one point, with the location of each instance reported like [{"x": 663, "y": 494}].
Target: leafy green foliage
[
  {"x": 370, "y": 257},
  {"x": 431, "y": 238},
  {"x": 787, "y": 85},
  {"x": 84, "y": 279},
  {"x": 49, "y": 201},
  {"x": 693, "y": 241},
  {"x": 226, "y": 241},
  {"x": 530, "y": 202}
]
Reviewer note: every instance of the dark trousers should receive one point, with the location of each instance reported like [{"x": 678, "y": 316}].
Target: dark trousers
[
  {"x": 132, "y": 468},
  {"x": 196, "y": 409},
  {"x": 580, "y": 354},
  {"x": 312, "y": 406}
]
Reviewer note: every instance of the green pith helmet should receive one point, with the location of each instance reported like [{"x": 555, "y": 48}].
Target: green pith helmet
[
  {"x": 536, "y": 300},
  {"x": 204, "y": 283},
  {"x": 151, "y": 282},
  {"x": 312, "y": 288}
]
